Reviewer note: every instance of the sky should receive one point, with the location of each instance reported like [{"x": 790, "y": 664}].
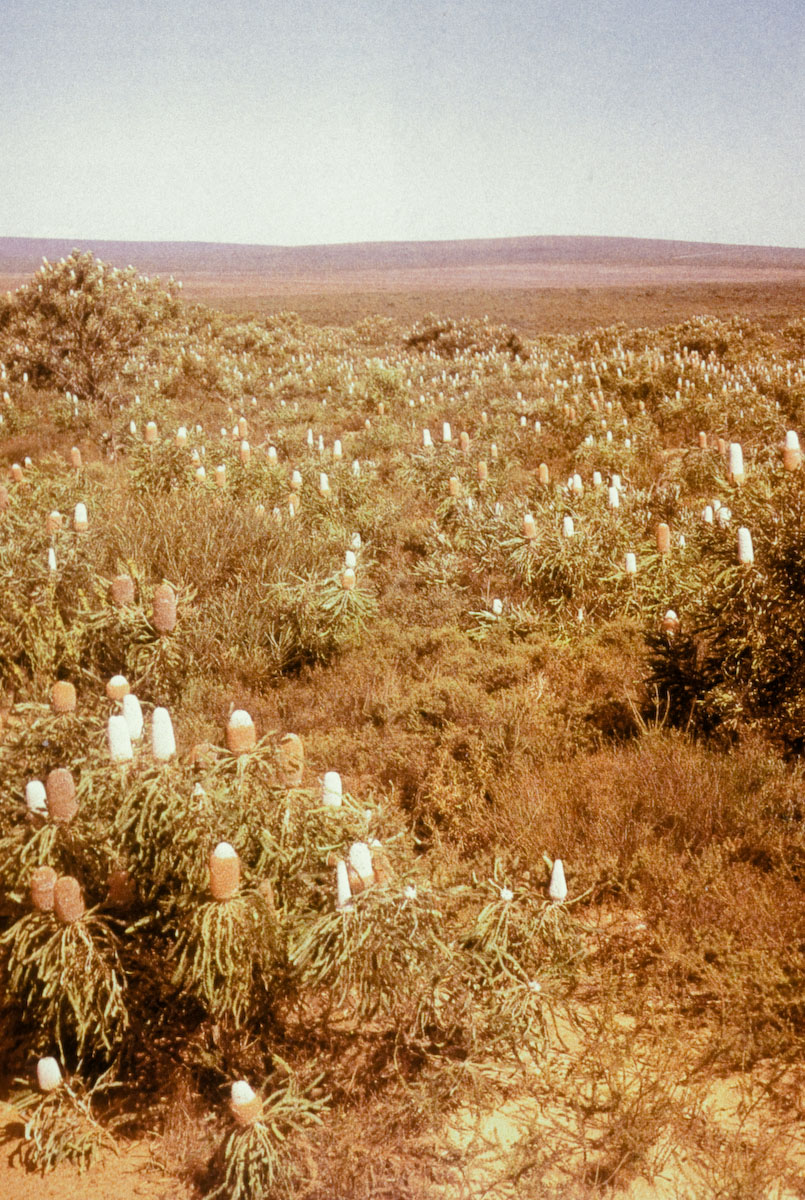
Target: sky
[{"x": 307, "y": 122}]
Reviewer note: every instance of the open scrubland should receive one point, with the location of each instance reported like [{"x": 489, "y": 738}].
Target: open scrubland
[{"x": 453, "y": 845}]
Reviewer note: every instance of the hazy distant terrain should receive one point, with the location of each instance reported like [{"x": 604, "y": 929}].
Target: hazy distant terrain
[{"x": 538, "y": 284}]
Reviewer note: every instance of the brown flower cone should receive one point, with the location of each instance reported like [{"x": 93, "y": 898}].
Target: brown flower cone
[
  {"x": 62, "y": 697},
  {"x": 122, "y": 590},
  {"x": 240, "y": 738},
  {"x": 356, "y": 884},
  {"x": 61, "y": 798},
  {"x": 292, "y": 760},
  {"x": 164, "y": 613},
  {"x": 75, "y": 457},
  {"x": 544, "y": 473},
  {"x": 663, "y": 538},
  {"x": 122, "y": 890},
  {"x": 382, "y": 867},
  {"x": 224, "y": 877},
  {"x": 792, "y": 457},
  {"x": 348, "y": 579},
  {"x": 247, "y": 1114},
  {"x": 54, "y": 522},
  {"x": 68, "y": 902},
  {"x": 43, "y": 881},
  {"x": 454, "y": 485}
]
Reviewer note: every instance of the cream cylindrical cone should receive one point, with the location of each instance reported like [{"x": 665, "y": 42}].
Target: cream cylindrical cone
[
  {"x": 544, "y": 473},
  {"x": 61, "y": 797},
  {"x": 133, "y": 715},
  {"x": 62, "y": 697},
  {"x": 36, "y": 797},
  {"x": 736, "y": 469},
  {"x": 119, "y": 739},
  {"x": 151, "y": 432},
  {"x": 55, "y": 522},
  {"x": 243, "y": 428},
  {"x": 447, "y": 435},
  {"x": 529, "y": 527},
  {"x": 75, "y": 457},
  {"x": 332, "y": 790},
  {"x": 631, "y": 563},
  {"x": 557, "y": 887},
  {"x": 245, "y": 452},
  {"x": 663, "y": 538},
  {"x": 707, "y": 514},
  {"x": 241, "y": 734},
  {"x": 670, "y": 621},
  {"x": 68, "y": 901},
  {"x": 296, "y": 480},
  {"x": 117, "y": 687},
  {"x": 43, "y": 881},
  {"x": 163, "y": 616},
  {"x": 464, "y": 441},
  {"x": 163, "y": 741},
  {"x": 746, "y": 553},
  {"x": 220, "y": 475},
  {"x": 568, "y": 529},
  {"x": 360, "y": 859},
  {"x": 291, "y": 756},
  {"x": 246, "y": 1107},
  {"x": 454, "y": 485},
  {"x": 80, "y": 519},
  {"x": 224, "y": 872},
  {"x": 122, "y": 590},
  {"x": 702, "y": 440},
  {"x": 792, "y": 454},
  {"x": 48, "y": 1075},
  {"x": 483, "y": 471}
]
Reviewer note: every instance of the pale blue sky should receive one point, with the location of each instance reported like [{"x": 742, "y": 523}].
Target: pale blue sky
[{"x": 350, "y": 120}]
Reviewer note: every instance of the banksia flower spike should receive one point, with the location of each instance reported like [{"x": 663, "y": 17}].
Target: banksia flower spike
[
  {"x": 163, "y": 741},
  {"x": 544, "y": 473},
  {"x": 43, "y": 882},
  {"x": 224, "y": 872},
  {"x": 117, "y": 687},
  {"x": 36, "y": 797},
  {"x": 48, "y": 1075},
  {"x": 241, "y": 735},
  {"x": 529, "y": 527},
  {"x": 61, "y": 798},
  {"x": 702, "y": 440},
  {"x": 663, "y": 538},
  {"x": 68, "y": 900},
  {"x": 631, "y": 563},
  {"x": 75, "y": 458},
  {"x": 557, "y": 887},
  {"x": 291, "y": 760},
  {"x": 746, "y": 553},
  {"x": 736, "y": 470},
  {"x": 332, "y": 790},
  {"x": 163, "y": 616},
  {"x": 245, "y": 452},
  {"x": 80, "y": 520},
  {"x": 360, "y": 859},
  {"x": 343, "y": 890},
  {"x": 151, "y": 432},
  {"x": 133, "y": 715},
  {"x": 119, "y": 738},
  {"x": 62, "y": 697},
  {"x": 792, "y": 455},
  {"x": 245, "y": 1105},
  {"x": 670, "y": 622},
  {"x": 54, "y": 522},
  {"x": 348, "y": 579}
]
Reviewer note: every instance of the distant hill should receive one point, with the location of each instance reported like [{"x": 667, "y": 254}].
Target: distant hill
[{"x": 21, "y": 256}]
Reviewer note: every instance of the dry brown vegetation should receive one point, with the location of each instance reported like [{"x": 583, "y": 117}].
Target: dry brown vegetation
[{"x": 661, "y": 1052}]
